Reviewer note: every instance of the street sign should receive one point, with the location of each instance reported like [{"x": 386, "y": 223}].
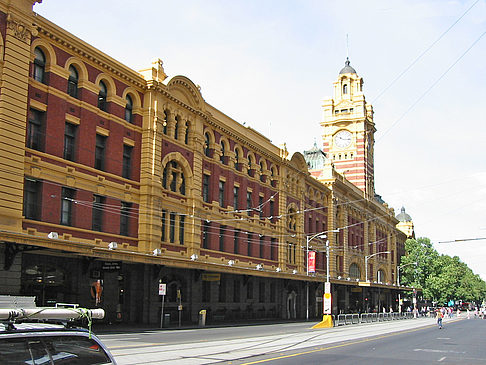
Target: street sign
[
  {"x": 327, "y": 287},
  {"x": 162, "y": 289},
  {"x": 327, "y": 303}
]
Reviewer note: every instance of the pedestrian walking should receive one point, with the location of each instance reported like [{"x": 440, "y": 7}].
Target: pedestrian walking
[{"x": 439, "y": 318}]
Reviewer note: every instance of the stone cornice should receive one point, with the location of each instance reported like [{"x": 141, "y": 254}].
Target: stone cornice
[{"x": 89, "y": 53}]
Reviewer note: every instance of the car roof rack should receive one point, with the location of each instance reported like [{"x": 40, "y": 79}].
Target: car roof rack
[{"x": 13, "y": 310}]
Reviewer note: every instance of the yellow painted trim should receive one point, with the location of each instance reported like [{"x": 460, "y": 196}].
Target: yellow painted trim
[
  {"x": 102, "y": 131},
  {"x": 38, "y": 105},
  {"x": 72, "y": 119},
  {"x": 128, "y": 141}
]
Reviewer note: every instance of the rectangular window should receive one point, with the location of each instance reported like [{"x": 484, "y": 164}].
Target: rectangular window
[
  {"x": 236, "y": 291},
  {"x": 250, "y": 236},
  {"x": 97, "y": 213},
  {"x": 32, "y": 198},
  {"x": 262, "y": 242},
  {"x": 249, "y": 289},
  {"x": 260, "y": 206},
  {"x": 222, "y": 291},
  {"x": 181, "y": 229},
  {"x": 236, "y": 197},
  {"x": 35, "y": 130},
  {"x": 164, "y": 225},
  {"x": 205, "y": 191},
  {"x": 273, "y": 249},
  {"x": 261, "y": 294},
  {"x": 125, "y": 218},
  {"x": 222, "y": 230},
  {"x": 100, "y": 152},
  {"x": 206, "y": 227},
  {"x": 206, "y": 291},
  {"x": 272, "y": 210},
  {"x": 70, "y": 141},
  {"x": 273, "y": 292},
  {"x": 127, "y": 161},
  {"x": 221, "y": 193},
  {"x": 67, "y": 197},
  {"x": 236, "y": 241},
  {"x": 172, "y": 225},
  {"x": 249, "y": 203}
]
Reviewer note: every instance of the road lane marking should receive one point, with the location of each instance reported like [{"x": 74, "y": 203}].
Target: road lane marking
[
  {"x": 336, "y": 346},
  {"x": 441, "y": 359},
  {"x": 443, "y": 338},
  {"x": 440, "y": 351}
]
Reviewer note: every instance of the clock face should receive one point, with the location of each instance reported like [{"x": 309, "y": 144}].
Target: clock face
[{"x": 342, "y": 139}]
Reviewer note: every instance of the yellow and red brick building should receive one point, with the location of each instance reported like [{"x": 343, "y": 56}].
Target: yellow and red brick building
[{"x": 131, "y": 178}]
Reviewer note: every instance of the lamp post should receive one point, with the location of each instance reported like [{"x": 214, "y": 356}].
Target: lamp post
[
  {"x": 398, "y": 270},
  {"x": 366, "y": 262}
]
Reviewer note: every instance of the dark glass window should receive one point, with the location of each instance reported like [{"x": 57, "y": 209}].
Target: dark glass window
[
  {"x": 222, "y": 290},
  {"x": 260, "y": 206},
  {"x": 67, "y": 199},
  {"x": 186, "y": 135},
  {"x": 182, "y": 220},
  {"x": 32, "y": 198},
  {"x": 249, "y": 239},
  {"x": 223, "y": 152},
  {"x": 165, "y": 121},
  {"x": 73, "y": 79},
  {"x": 100, "y": 152},
  {"x": 173, "y": 178},
  {"x": 176, "y": 127},
  {"x": 273, "y": 249},
  {"x": 262, "y": 243},
  {"x": 222, "y": 231},
  {"x": 97, "y": 213},
  {"x": 249, "y": 289},
  {"x": 39, "y": 65},
  {"x": 35, "y": 130},
  {"x": 125, "y": 218},
  {"x": 273, "y": 292},
  {"x": 236, "y": 291},
  {"x": 127, "y": 161},
  {"x": 206, "y": 291},
  {"x": 221, "y": 193},
  {"x": 207, "y": 143},
  {"x": 164, "y": 225},
  {"x": 205, "y": 192},
  {"x": 129, "y": 110},
  {"x": 261, "y": 294},
  {"x": 70, "y": 141},
  {"x": 236, "y": 197},
  {"x": 206, "y": 227},
  {"x": 248, "y": 201},
  {"x": 236, "y": 242},
  {"x": 102, "y": 96},
  {"x": 172, "y": 224},
  {"x": 272, "y": 210}
]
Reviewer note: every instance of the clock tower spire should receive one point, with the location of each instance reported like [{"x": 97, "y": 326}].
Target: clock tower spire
[{"x": 348, "y": 130}]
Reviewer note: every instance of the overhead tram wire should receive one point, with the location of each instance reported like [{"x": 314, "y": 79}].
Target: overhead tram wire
[
  {"x": 432, "y": 86},
  {"x": 421, "y": 55},
  {"x": 464, "y": 240}
]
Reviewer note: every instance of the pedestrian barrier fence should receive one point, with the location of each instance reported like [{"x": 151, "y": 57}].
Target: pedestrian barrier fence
[{"x": 355, "y": 318}]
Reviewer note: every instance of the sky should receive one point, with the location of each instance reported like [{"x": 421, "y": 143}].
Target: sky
[{"x": 271, "y": 63}]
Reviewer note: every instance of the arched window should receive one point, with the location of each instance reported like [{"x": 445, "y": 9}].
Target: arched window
[
  {"x": 129, "y": 110},
  {"x": 186, "y": 134},
  {"x": 39, "y": 65},
  {"x": 380, "y": 276},
  {"x": 354, "y": 272},
  {"x": 262, "y": 169},
  {"x": 176, "y": 127},
  {"x": 237, "y": 159},
  {"x": 72, "y": 89},
  {"x": 207, "y": 143},
  {"x": 292, "y": 219},
  {"x": 165, "y": 122},
  {"x": 173, "y": 178},
  {"x": 223, "y": 153},
  {"x": 102, "y": 96},
  {"x": 345, "y": 88}
]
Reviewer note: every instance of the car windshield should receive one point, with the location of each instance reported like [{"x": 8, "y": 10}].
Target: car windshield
[{"x": 49, "y": 350}]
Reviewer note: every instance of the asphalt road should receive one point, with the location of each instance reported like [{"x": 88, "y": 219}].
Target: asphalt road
[{"x": 395, "y": 342}]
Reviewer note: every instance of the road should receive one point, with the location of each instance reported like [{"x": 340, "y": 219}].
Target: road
[{"x": 398, "y": 342}]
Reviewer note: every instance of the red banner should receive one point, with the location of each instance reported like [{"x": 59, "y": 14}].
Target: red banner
[{"x": 311, "y": 261}]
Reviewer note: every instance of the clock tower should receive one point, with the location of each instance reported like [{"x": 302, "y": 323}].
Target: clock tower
[{"x": 348, "y": 131}]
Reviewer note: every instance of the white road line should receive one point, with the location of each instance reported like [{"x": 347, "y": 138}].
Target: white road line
[{"x": 441, "y": 359}]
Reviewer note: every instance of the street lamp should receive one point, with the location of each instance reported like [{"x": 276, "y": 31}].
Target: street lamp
[
  {"x": 398, "y": 270},
  {"x": 366, "y": 262},
  {"x": 308, "y": 239}
]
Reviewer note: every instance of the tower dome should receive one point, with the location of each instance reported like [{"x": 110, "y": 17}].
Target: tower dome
[
  {"x": 347, "y": 69},
  {"x": 403, "y": 217}
]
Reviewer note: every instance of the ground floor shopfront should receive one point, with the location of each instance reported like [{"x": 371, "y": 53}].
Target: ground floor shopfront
[{"x": 129, "y": 292}]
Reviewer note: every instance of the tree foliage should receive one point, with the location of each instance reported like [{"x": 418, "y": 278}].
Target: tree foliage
[{"x": 441, "y": 277}]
